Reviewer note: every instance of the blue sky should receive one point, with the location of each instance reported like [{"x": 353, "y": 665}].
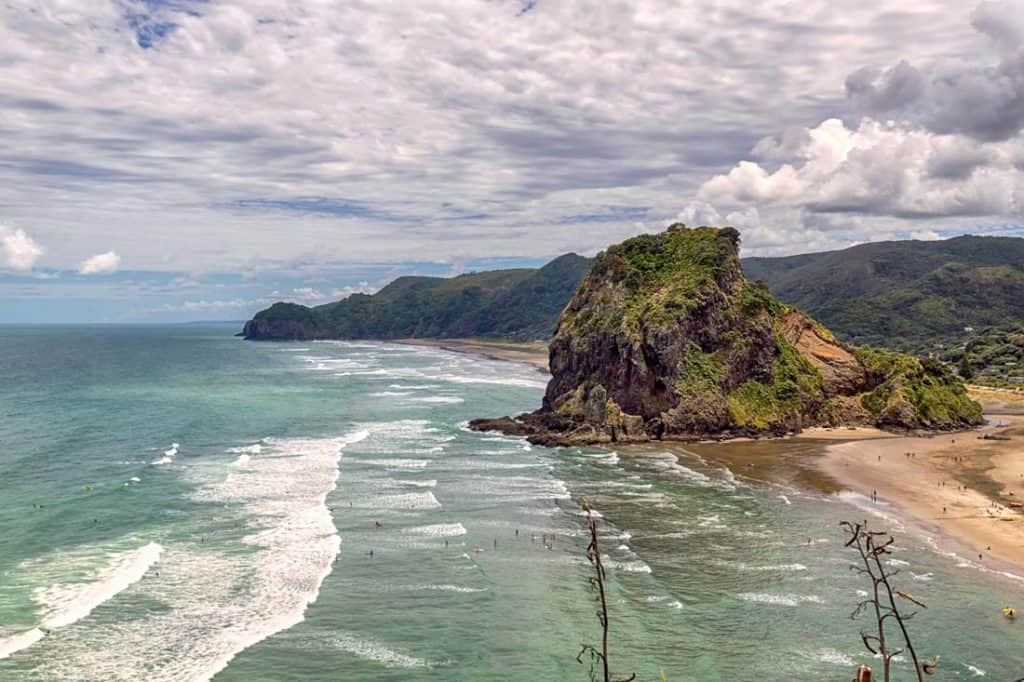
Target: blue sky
[{"x": 196, "y": 159}]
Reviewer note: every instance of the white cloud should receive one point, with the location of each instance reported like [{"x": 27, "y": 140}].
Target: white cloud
[
  {"x": 880, "y": 169},
  {"x": 101, "y": 263},
  {"x": 18, "y": 251},
  {"x": 408, "y": 130}
]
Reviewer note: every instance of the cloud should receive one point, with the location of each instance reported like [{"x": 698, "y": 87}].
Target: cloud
[
  {"x": 248, "y": 136},
  {"x": 502, "y": 126},
  {"x": 100, "y": 264},
  {"x": 880, "y": 169},
  {"x": 982, "y": 100},
  {"x": 18, "y": 251},
  {"x": 916, "y": 151}
]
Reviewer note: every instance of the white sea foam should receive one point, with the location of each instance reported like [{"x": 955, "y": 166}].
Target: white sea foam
[
  {"x": 65, "y": 604},
  {"x": 19, "y": 641},
  {"x": 669, "y": 463},
  {"x": 451, "y": 588},
  {"x": 501, "y": 381},
  {"x": 741, "y": 566},
  {"x": 373, "y": 651},
  {"x": 976, "y": 671},
  {"x": 220, "y": 603},
  {"x": 438, "y": 530},
  {"x": 636, "y": 566},
  {"x": 242, "y": 460},
  {"x": 391, "y": 394},
  {"x": 429, "y": 483},
  {"x": 397, "y": 463},
  {"x": 439, "y": 399},
  {"x": 169, "y": 455},
  {"x": 834, "y": 657},
  {"x": 404, "y": 501},
  {"x": 780, "y": 599},
  {"x": 254, "y": 449},
  {"x": 879, "y": 509}
]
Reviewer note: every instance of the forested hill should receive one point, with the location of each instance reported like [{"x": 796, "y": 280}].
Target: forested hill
[
  {"x": 904, "y": 292},
  {"x": 520, "y": 304}
]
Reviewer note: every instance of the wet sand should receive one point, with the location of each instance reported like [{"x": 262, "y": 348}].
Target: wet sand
[
  {"x": 533, "y": 353},
  {"x": 960, "y": 484}
]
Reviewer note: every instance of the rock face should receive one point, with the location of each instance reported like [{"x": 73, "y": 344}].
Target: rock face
[{"x": 665, "y": 338}]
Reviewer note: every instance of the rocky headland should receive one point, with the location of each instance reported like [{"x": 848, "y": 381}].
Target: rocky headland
[{"x": 666, "y": 339}]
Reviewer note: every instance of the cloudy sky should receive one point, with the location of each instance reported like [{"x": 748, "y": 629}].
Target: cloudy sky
[{"x": 197, "y": 159}]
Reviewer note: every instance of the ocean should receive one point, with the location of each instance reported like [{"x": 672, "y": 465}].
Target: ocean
[{"x": 179, "y": 504}]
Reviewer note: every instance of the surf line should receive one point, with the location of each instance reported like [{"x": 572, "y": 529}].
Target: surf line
[{"x": 71, "y": 603}]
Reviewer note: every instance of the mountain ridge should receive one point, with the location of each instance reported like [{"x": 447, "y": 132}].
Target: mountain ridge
[{"x": 896, "y": 294}]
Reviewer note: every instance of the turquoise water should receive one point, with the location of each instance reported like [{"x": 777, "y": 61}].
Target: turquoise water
[{"x": 177, "y": 504}]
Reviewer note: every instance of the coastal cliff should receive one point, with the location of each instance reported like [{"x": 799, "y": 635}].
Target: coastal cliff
[{"x": 666, "y": 339}]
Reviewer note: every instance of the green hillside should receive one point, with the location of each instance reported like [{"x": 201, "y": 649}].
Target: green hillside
[
  {"x": 907, "y": 294},
  {"x": 520, "y": 303}
]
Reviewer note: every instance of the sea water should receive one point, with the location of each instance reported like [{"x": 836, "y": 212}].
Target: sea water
[{"x": 178, "y": 504}]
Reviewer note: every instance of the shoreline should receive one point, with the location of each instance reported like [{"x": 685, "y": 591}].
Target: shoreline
[
  {"x": 533, "y": 353},
  {"x": 959, "y": 485},
  {"x": 971, "y": 478}
]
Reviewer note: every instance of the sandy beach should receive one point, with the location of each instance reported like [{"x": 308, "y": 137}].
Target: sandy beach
[
  {"x": 533, "y": 353},
  {"x": 962, "y": 485}
]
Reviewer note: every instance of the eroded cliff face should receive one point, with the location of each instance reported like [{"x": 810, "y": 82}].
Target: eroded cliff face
[{"x": 665, "y": 338}]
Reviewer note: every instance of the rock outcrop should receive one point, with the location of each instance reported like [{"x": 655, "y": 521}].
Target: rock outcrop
[{"x": 666, "y": 339}]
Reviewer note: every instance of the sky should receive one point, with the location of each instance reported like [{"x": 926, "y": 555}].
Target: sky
[{"x": 172, "y": 160}]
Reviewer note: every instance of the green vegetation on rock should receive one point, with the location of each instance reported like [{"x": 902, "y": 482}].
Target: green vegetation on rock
[{"x": 667, "y": 330}]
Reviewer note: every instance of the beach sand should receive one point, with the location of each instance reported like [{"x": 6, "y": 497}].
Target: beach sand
[
  {"x": 958, "y": 484},
  {"x": 533, "y": 353}
]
